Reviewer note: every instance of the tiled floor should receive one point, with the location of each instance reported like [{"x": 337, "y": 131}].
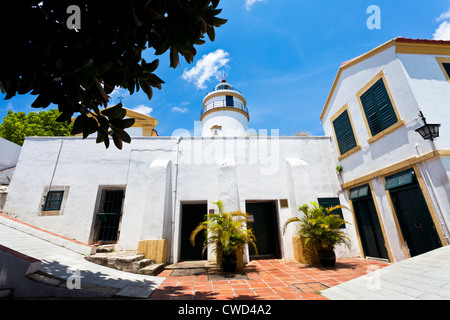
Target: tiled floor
[{"x": 264, "y": 279}]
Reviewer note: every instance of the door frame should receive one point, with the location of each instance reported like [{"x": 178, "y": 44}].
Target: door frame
[
  {"x": 423, "y": 188},
  {"x": 279, "y": 244},
  {"x": 180, "y": 228},
  {"x": 98, "y": 205},
  {"x": 377, "y": 209}
]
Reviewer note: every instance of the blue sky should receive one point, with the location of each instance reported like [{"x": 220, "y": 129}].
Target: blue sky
[{"x": 283, "y": 55}]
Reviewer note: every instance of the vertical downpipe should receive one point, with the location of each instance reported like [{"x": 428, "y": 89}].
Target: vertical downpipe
[
  {"x": 56, "y": 164},
  {"x": 172, "y": 238}
]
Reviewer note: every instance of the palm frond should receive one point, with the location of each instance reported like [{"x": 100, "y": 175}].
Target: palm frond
[
  {"x": 319, "y": 226},
  {"x": 294, "y": 219},
  {"x": 227, "y": 231}
]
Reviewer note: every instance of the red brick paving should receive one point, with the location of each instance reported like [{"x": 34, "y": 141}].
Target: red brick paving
[{"x": 272, "y": 279}]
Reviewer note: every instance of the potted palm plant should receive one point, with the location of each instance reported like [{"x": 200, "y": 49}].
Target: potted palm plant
[
  {"x": 228, "y": 232},
  {"x": 320, "y": 228}
]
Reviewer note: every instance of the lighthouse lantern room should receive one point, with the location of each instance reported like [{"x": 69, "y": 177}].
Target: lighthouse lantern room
[{"x": 224, "y": 112}]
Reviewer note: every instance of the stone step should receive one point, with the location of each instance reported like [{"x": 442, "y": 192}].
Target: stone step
[
  {"x": 152, "y": 270},
  {"x": 128, "y": 261},
  {"x": 104, "y": 248}
]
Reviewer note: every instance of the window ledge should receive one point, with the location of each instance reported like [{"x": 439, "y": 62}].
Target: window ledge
[
  {"x": 50, "y": 213},
  {"x": 381, "y": 134},
  {"x": 349, "y": 152}
]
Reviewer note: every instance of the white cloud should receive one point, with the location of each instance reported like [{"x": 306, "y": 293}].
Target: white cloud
[
  {"x": 444, "y": 16},
  {"x": 206, "y": 68},
  {"x": 181, "y": 110},
  {"x": 142, "y": 108},
  {"x": 249, "y": 3},
  {"x": 442, "y": 32}
]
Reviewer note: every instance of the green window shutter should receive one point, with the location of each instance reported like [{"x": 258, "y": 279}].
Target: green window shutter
[
  {"x": 331, "y": 202},
  {"x": 344, "y": 133},
  {"x": 359, "y": 192},
  {"x": 447, "y": 68},
  {"x": 378, "y": 108}
]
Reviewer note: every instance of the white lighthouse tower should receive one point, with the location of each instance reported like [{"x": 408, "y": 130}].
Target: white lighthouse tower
[{"x": 224, "y": 112}]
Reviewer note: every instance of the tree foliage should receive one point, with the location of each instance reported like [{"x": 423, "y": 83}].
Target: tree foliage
[
  {"x": 76, "y": 68},
  {"x": 18, "y": 125}
]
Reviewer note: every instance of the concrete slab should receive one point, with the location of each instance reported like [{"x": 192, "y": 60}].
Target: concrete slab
[
  {"x": 59, "y": 261},
  {"x": 426, "y": 276}
]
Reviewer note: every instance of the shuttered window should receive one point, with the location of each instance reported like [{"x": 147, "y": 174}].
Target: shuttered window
[
  {"x": 332, "y": 202},
  {"x": 447, "y": 68},
  {"x": 378, "y": 108},
  {"x": 344, "y": 133}
]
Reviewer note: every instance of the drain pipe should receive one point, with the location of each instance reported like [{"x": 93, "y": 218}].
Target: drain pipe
[
  {"x": 175, "y": 195},
  {"x": 56, "y": 164}
]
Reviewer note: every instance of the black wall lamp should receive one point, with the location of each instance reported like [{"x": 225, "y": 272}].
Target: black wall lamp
[{"x": 428, "y": 131}]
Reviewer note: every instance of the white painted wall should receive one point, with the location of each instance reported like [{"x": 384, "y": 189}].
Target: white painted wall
[
  {"x": 160, "y": 173},
  {"x": 416, "y": 83},
  {"x": 431, "y": 90},
  {"x": 233, "y": 123},
  {"x": 9, "y": 154},
  {"x": 396, "y": 146}
]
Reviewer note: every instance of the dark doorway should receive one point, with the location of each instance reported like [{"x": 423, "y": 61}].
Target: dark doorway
[
  {"x": 109, "y": 216},
  {"x": 191, "y": 216},
  {"x": 413, "y": 214},
  {"x": 369, "y": 228},
  {"x": 265, "y": 228},
  {"x": 229, "y": 101}
]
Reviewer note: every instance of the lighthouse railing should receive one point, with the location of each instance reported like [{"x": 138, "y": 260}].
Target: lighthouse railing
[{"x": 222, "y": 104}]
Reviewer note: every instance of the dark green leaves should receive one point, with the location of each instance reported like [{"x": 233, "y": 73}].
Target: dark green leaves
[
  {"x": 150, "y": 67},
  {"x": 77, "y": 69},
  {"x": 116, "y": 112},
  {"x": 108, "y": 122}
]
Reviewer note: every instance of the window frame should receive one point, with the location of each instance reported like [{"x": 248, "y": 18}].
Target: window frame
[
  {"x": 332, "y": 119},
  {"x": 57, "y": 201},
  {"x": 43, "y": 211},
  {"x": 216, "y": 130},
  {"x": 364, "y": 187},
  {"x": 441, "y": 61},
  {"x": 392, "y": 127}
]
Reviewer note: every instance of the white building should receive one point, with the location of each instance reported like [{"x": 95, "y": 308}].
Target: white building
[
  {"x": 9, "y": 154},
  {"x": 157, "y": 189},
  {"x": 396, "y": 182}
]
